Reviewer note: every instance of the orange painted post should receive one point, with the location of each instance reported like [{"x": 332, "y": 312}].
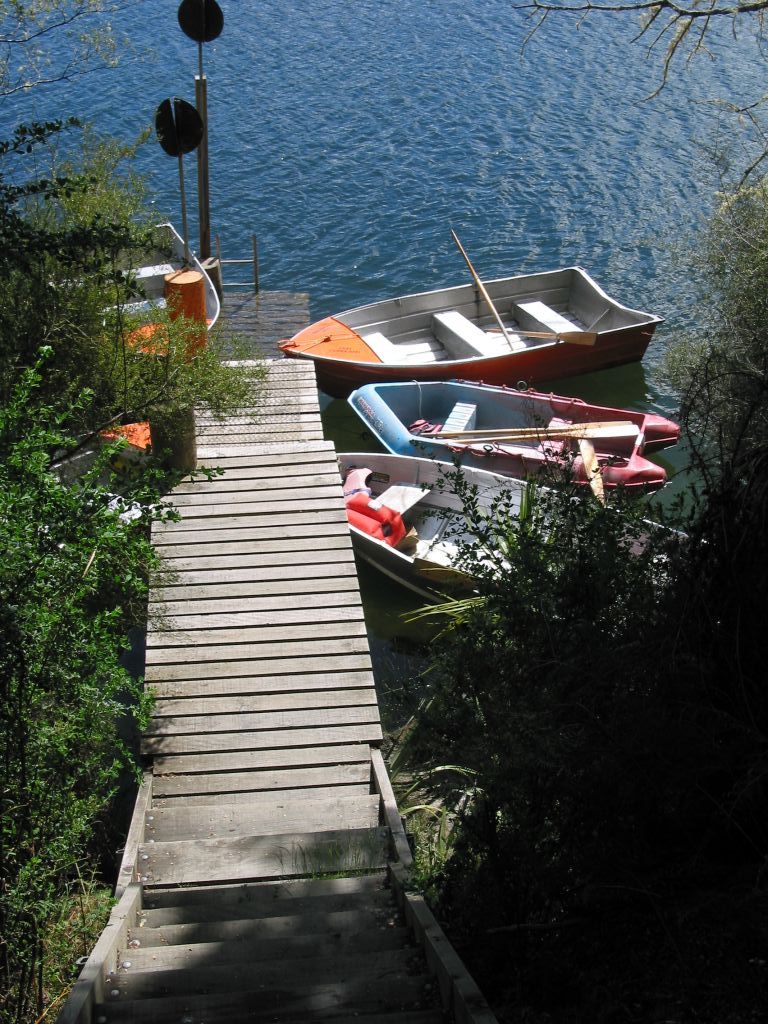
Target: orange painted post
[{"x": 185, "y": 294}]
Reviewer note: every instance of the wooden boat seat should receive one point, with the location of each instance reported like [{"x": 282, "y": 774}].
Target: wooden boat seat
[
  {"x": 465, "y": 340},
  {"x": 543, "y": 315},
  {"x": 400, "y": 497}
]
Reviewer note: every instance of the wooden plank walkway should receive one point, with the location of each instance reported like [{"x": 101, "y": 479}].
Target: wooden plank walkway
[
  {"x": 262, "y": 880},
  {"x": 258, "y": 322}
]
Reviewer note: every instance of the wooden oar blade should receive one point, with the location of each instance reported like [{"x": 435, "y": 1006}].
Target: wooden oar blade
[
  {"x": 592, "y": 468},
  {"x": 578, "y": 337}
]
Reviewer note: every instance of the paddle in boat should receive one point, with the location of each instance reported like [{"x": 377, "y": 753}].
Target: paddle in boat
[
  {"x": 407, "y": 521},
  {"x": 514, "y": 433},
  {"x": 553, "y": 324}
]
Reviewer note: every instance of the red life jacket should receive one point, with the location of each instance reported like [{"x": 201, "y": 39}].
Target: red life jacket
[{"x": 382, "y": 523}]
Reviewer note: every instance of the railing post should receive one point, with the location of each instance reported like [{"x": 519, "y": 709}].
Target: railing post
[{"x": 255, "y": 264}]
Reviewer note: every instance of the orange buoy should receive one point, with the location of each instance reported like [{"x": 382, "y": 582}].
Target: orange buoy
[{"x": 185, "y": 294}]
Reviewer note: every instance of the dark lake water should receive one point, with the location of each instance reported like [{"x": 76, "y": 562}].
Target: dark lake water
[{"x": 349, "y": 137}]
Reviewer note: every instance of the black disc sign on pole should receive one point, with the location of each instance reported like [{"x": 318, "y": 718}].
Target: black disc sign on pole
[
  {"x": 201, "y": 20},
  {"x": 179, "y": 130}
]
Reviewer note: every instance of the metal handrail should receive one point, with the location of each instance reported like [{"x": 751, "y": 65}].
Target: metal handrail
[{"x": 253, "y": 260}]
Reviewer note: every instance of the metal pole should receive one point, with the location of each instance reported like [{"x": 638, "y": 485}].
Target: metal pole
[
  {"x": 255, "y": 264},
  {"x": 203, "y": 181},
  {"x": 183, "y": 194}
]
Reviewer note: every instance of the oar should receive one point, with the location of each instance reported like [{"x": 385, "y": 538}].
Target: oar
[
  {"x": 571, "y": 337},
  {"x": 483, "y": 291},
  {"x": 592, "y": 469},
  {"x": 606, "y": 428}
]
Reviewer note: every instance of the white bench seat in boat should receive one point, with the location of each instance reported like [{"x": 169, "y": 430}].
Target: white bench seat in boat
[
  {"x": 403, "y": 352},
  {"x": 461, "y": 417},
  {"x": 400, "y": 497},
  {"x": 152, "y": 279},
  {"x": 383, "y": 347},
  {"x": 551, "y": 319},
  {"x": 465, "y": 340}
]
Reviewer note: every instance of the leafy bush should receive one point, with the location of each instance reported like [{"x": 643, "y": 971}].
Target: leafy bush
[
  {"x": 73, "y": 579},
  {"x": 611, "y": 764}
]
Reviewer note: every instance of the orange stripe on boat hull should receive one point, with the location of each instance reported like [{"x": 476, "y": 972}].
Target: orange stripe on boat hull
[{"x": 333, "y": 339}]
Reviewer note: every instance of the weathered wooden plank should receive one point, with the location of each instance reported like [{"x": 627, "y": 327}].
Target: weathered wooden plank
[
  {"x": 278, "y": 401},
  {"x": 246, "y": 494},
  {"x": 311, "y": 519},
  {"x": 256, "y": 460},
  {"x": 302, "y": 448},
  {"x": 254, "y": 760},
  {"x": 253, "y": 928},
  {"x": 314, "y": 944},
  {"x": 278, "y": 780},
  {"x": 394, "y": 997},
  {"x": 344, "y": 565},
  {"x": 218, "y": 658},
  {"x": 274, "y": 899},
  {"x": 267, "y": 667},
  {"x": 162, "y": 622},
  {"x": 340, "y": 582},
  {"x": 252, "y": 857},
  {"x": 188, "y": 744},
  {"x": 220, "y": 978},
  {"x": 266, "y": 721},
  {"x": 262, "y": 478},
  {"x": 282, "y": 641},
  {"x": 235, "y": 607},
  {"x": 334, "y": 532},
  {"x": 247, "y": 436},
  {"x": 278, "y": 800},
  {"x": 251, "y": 703},
  {"x": 278, "y": 503},
  {"x": 286, "y": 411},
  {"x": 321, "y": 555},
  {"x": 208, "y": 642},
  {"x": 333, "y": 677}
]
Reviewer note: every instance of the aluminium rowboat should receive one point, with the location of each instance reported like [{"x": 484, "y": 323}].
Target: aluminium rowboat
[{"x": 559, "y": 323}]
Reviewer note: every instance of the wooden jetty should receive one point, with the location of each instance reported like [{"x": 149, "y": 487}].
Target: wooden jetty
[{"x": 265, "y": 876}]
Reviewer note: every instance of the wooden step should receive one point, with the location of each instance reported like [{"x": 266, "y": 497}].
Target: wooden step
[
  {"x": 376, "y": 992},
  {"x": 221, "y": 783},
  {"x": 257, "y": 760},
  {"x": 264, "y": 897},
  {"x": 266, "y": 721},
  {"x": 277, "y": 801},
  {"x": 300, "y": 896},
  {"x": 221, "y": 820},
  {"x": 181, "y": 705},
  {"x": 306, "y": 945},
  {"x": 269, "y": 857},
  {"x": 276, "y": 677},
  {"x": 203, "y": 977},
  {"x": 249, "y": 740},
  {"x": 263, "y": 930}
]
